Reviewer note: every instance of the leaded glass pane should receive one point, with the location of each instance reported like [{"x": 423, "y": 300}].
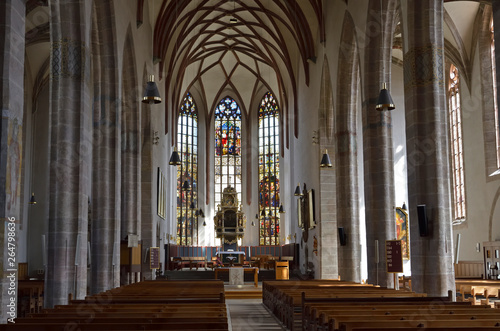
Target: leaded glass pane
[
  {"x": 456, "y": 145},
  {"x": 269, "y": 201},
  {"x": 187, "y": 222},
  {"x": 227, "y": 147}
]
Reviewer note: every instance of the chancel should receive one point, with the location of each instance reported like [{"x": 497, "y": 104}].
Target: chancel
[{"x": 374, "y": 104}]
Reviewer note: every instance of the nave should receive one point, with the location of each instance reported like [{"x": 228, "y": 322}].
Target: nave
[{"x": 328, "y": 305}]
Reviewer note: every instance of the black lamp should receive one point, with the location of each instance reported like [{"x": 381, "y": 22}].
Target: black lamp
[
  {"x": 185, "y": 186},
  {"x": 204, "y": 223},
  {"x": 192, "y": 206},
  {"x": 403, "y": 206},
  {"x": 151, "y": 94},
  {"x": 202, "y": 214},
  {"x": 298, "y": 191},
  {"x": 32, "y": 199},
  {"x": 325, "y": 160},
  {"x": 384, "y": 100},
  {"x": 282, "y": 210},
  {"x": 174, "y": 158},
  {"x": 263, "y": 213}
]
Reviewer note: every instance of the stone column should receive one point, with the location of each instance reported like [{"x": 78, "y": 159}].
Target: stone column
[
  {"x": 496, "y": 26},
  {"x": 427, "y": 141},
  {"x": 328, "y": 256},
  {"x": 346, "y": 154},
  {"x": 106, "y": 166},
  {"x": 12, "y": 27},
  {"x": 70, "y": 152},
  {"x": 377, "y": 141}
]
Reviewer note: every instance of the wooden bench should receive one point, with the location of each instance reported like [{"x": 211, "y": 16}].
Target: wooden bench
[
  {"x": 474, "y": 287},
  {"x": 285, "y": 298},
  {"x": 149, "y": 305},
  {"x": 180, "y": 262}
]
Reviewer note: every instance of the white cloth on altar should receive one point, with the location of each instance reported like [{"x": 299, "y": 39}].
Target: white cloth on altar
[{"x": 236, "y": 276}]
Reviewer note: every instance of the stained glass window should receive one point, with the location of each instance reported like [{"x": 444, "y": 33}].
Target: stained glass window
[
  {"x": 187, "y": 145},
  {"x": 457, "y": 156},
  {"x": 269, "y": 171},
  {"x": 227, "y": 147}
]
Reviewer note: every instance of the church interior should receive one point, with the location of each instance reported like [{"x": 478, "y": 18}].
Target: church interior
[{"x": 341, "y": 140}]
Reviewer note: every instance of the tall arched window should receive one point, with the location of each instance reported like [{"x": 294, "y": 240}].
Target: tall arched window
[
  {"x": 227, "y": 147},
  {"x": 269, "y": 171},
  {"x": 457, "y": 156},
  {"x": 187, "y": 199},
  {"x": 495, "y": 102}
]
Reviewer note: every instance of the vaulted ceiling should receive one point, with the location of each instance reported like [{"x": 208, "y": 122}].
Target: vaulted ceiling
[{"x": 242, "y": 46}]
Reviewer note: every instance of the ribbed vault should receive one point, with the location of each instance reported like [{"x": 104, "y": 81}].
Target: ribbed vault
[{"x": 240, "y": 45}]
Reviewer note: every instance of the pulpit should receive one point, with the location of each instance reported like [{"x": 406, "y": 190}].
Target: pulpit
[{"x": 229, "y": 220}]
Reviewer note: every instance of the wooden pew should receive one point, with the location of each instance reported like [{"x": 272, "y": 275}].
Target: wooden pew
[
  {"x": 285, "y": 298},
  {"x": 474, "y": 287},
  {"x": 422, "y": 324},
  {"x": 149, "y": 305}
]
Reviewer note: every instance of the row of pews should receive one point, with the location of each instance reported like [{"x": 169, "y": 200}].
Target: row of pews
[
  {"x": 148, "y": 305},
  {"x": 330, "y": 305}
]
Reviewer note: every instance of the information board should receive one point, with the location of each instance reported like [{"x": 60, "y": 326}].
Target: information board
[
  {"x": 393, "y": 256},
  {"x": 154, "y": 257}
]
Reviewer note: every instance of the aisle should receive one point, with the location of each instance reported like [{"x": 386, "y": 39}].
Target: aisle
[{"x": 250, "y": 314}]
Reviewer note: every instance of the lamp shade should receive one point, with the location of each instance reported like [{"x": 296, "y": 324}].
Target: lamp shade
[
  {"x": 384, "y": 100},
  {"x": 185, "y": 186},
  {"x": 263, "y": 213},
  {"x": 325, "y": 160},
  {"x": 202, "y": 214},
  {"x": 151, "y": 94},
  {"x": 282, "y": 210},
  {"x": 32, "y": 199},
  {"x": 253, "y": 223},
  {"x": 174, "y": 158},
  {"x": 403, "y": 206},
  {"x": 298, "y": 191},
  {"x": 204, "y": 223}
]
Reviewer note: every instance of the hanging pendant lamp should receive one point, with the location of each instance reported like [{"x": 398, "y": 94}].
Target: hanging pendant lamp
[
  {"x": 151, "y": 94},
  {"x": 175, "y": 160},
  {"x": 185, "y": 186},
  {"x": 298, "y": 191},
  {"x": 325, "y": 160},
  {"x": 384, "y": 101},
  {"x": 32, "y": 199}
]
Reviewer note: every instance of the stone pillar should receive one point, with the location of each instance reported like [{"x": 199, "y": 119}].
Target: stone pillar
[
  {"x": 106, "y": 166},
  {"x": 70, "y": 152},
  {"x": 130, "y": 151},
  {"x": 427, "y": 141},
  {"x": 346, "y": 154},
  {"x": 328, "y": 256},
  {"x": 496, "y": 26},
  {"x": 12, "y": 27},
  {"x": 377, "y": 141}
]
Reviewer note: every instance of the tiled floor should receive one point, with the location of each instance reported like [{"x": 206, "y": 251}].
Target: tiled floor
[{"x": 250, "y": 314}]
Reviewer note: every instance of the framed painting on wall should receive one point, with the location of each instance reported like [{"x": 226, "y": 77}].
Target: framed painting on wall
[
  {"x": 402, "y": 232},
  {"x": 161, "y": 194}
]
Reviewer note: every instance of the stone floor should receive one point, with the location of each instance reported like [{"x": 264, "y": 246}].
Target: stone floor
[{"x": 250, "y": 314}]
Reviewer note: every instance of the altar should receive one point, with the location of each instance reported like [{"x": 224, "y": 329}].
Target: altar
[
  {"x": 236, "y": 274},
  {"x": 231, "y": 257}
]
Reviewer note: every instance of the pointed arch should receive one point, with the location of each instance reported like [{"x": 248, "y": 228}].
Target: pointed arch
[
  {"x": 269, "y": 170},
  {"x": 187, "y": 145}
]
